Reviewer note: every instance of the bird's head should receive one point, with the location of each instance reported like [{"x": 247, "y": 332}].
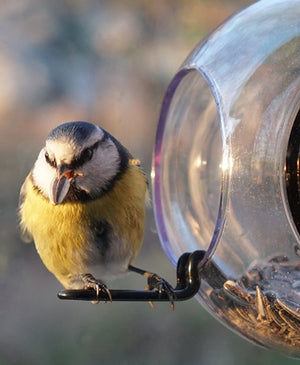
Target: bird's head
[{"x": 80, "y": 161}]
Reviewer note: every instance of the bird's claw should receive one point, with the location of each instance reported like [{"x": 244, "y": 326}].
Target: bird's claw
[
  {"x": 155, "y": 282},
  {"x": 92, "y": 283}
]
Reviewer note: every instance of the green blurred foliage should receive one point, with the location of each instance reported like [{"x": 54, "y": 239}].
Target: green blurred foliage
[{"x": 109, "y": 63}]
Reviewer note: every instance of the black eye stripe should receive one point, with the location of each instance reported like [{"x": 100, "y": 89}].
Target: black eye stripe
[
  {"x": 78, "y": 161},
  {"x": 85, "y": 156}
]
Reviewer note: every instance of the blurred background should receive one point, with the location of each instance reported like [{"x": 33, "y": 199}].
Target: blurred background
[{"x": 109, "y": 63}]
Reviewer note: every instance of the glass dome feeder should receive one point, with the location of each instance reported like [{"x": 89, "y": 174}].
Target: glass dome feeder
[{"x": 226, "y": 172}]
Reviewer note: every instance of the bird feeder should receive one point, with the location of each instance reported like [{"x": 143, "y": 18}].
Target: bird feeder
[{"x": 227, "y": 172}]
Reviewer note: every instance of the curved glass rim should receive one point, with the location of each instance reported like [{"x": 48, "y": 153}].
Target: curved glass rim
[
  {"x": 294, "y": 111},
  {"x": 156, "y": 169}
]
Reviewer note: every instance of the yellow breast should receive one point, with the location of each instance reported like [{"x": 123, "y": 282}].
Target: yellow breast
[{"x": 62, "y": 233}]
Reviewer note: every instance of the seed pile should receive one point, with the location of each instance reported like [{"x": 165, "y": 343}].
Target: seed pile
[{"x": 264, "y": 303}]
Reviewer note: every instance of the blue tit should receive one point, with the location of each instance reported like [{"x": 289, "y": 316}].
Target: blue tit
[{"x": 83, "y": 204}]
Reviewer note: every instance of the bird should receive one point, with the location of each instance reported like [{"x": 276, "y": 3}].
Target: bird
[{"x": 83, "y": 205}]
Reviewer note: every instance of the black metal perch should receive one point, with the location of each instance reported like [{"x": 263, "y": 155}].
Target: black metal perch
[{"x": 188, "y": 284}]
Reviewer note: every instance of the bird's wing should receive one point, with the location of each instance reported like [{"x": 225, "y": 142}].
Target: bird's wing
[
  {"x": 25, "y": 235},
  {"x": 148, "y": 196}
]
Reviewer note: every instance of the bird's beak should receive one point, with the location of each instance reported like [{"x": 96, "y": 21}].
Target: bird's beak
[{"x": 60, "y": 185}]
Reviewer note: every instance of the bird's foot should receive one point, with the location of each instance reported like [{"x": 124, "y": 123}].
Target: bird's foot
[
  {"x": 155, "y": 282},
  {"x": 92, "y": 283}
]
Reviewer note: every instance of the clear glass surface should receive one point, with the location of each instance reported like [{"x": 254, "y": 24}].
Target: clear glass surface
[{"x": 219, "y": 171}]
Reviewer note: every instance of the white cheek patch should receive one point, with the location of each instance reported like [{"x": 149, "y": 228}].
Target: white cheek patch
[
  {"x": 100, "y": 171},
  {"x": 43, "y": 174}
]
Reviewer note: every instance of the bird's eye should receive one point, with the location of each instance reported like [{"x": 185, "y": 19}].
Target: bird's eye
[
  {"x": 86, "y": 154},
  {"x": 84, "y": 157},
  {"x": 47, "y": 158},
  {"x": 49, "y": 161}
]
